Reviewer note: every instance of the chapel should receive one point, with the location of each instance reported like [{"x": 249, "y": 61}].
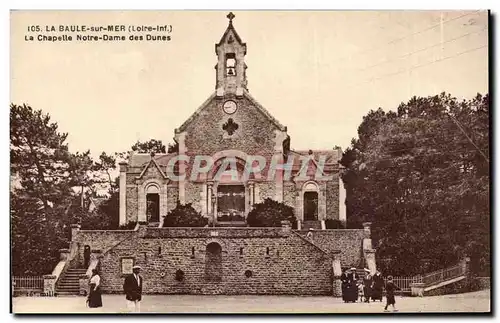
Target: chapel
[
  {"x": 228, "y": 133},
  {"x": 230, "y": 155}
]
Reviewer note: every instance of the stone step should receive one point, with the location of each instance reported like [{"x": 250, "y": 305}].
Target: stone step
[
  {"x": 68, "y": 289},
  {"x": 68, "y": 294},
  {"x": 67, "y": 283},
  {"x": 231, "y": 224},
  {"x": 75, "y": 279},
  {"x": 72, "y": 275},
  {"x": 77, "y": 271},
  {"x": 306, "y": 225}
]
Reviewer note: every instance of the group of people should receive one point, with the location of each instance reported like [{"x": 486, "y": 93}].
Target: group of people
[
  {"x": 132, "y": 288},
  {"x": 370, "y": 287},
  {"x": 353, "y": 288}
]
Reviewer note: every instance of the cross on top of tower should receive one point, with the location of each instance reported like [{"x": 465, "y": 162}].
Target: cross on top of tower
[{"x": 230, "y": 16}]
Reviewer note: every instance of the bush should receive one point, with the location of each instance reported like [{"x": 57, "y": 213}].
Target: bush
[
  {"x": 184, "y": 216},
  {"x": 333, "y": 224},
  {"x": 270, "y": 214}
]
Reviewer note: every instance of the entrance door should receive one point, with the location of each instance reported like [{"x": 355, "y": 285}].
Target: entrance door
[
  {"x": 230, "y": 203},
  {"x": 213, "y": 262},
  {"x": 153, "y": 207},
  {"x": 310, "y": 206}
]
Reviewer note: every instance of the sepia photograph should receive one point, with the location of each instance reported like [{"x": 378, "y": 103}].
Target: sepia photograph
[{"x": 250, "y": 162}]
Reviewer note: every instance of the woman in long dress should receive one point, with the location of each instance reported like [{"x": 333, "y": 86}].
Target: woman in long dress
[
  {"x": 353, "y": 281},
  {"x": 378, "y": 286},
  {"x": 344, "y": 280},
  {"x": 95, "y": 299}
]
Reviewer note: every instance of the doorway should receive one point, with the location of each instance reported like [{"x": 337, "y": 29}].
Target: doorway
[
  {"x": 310, "y": 206},
  {"x": 231, "y": 203},
  {"x": 213, "y": 262},
  {"x": 153, "y": 207}
]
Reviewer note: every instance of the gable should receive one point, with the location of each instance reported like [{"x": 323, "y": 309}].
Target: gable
[
  {"x": 250, "y": 128},
  {"x": 152, "y": 170},
  {"x": 246, "y": 96}
]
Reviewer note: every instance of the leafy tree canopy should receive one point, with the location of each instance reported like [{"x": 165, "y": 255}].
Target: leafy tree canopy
[{"x": 421, "y": 175}]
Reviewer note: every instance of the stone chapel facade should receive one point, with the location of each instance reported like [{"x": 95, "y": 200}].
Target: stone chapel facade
[
  {"x": 232, "y": 124},
  {"x": 226, "y": 257}
]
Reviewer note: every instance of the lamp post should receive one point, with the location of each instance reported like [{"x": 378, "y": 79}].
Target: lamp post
[{"x": 214, "y": 199}]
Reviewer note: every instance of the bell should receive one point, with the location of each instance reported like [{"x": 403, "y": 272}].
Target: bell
[{"x": 231, "y": 71}]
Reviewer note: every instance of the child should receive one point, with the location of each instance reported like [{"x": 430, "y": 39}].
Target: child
[
  {"x": 390, "y": 288},
  {"x": 361, "y": 292}
]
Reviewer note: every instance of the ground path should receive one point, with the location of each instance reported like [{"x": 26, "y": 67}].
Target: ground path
[{"x": 468, "y": 302}]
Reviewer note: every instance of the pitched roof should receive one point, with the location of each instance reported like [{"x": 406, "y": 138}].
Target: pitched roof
[
  {"x": 229, "y": 28},
  {"x": 143, "y": 159},
  {"x": 331, "y": 156},
  {"x": 153, "y": 162},
  {"x": 196, "y": 113}
]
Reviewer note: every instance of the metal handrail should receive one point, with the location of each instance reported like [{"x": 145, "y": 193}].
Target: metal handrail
[{"x": 443, "y": 274}]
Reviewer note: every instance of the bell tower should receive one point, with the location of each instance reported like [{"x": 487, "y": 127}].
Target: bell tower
[{"x": 231, "y": 67}]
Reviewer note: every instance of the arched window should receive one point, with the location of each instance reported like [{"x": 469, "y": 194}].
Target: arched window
[{"x": 230, "y": 64}]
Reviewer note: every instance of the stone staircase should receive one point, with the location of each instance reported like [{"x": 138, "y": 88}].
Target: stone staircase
[
  {"x": 306, "y": 225},
  {"x": 69, "y": 282},
  {"x": 232, "y": 224}
]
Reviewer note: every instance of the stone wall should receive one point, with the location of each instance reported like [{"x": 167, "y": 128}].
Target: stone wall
[
  {"x": 332, "y": 198},
  {"x": 348, "y": 241},
  {"x": 289, "y": 193},
  {"x": 193, "y": 194},
  {"x": 101, "y": 240},
  {"x": 172, "y": 198},
  {"x": 265, "y": 190},
  {"x": 132, "y": 201},
  {"x": 254, "y": 260},
  {"x": 461, "y": 286},
  {"x": 481, "y": 283}
]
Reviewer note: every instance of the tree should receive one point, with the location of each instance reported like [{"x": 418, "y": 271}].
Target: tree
[
  {"x": 173, "y": 148},
  {"x": 39, "y": 157},
  {"x": 270, "y": 214},
  {"x": 42, "y": 196},
  {"x": 150, "y": 146},
  {"x": 107, "y": 164},
  {"x": 184, "y": 215},
  {"x": 35, "y": 241},
  {"x": 421, "y": 176}
]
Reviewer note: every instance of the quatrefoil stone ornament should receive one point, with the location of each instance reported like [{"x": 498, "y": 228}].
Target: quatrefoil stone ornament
[{"x": 230, "y": 126}]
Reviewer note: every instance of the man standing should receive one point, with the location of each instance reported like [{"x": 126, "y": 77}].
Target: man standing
[
  {"x": 133, "y": 290},
  {"x": 367, "y": 283}
]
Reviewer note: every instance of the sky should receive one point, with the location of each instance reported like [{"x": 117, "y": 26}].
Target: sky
[{"x": 317, "y": 72}]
